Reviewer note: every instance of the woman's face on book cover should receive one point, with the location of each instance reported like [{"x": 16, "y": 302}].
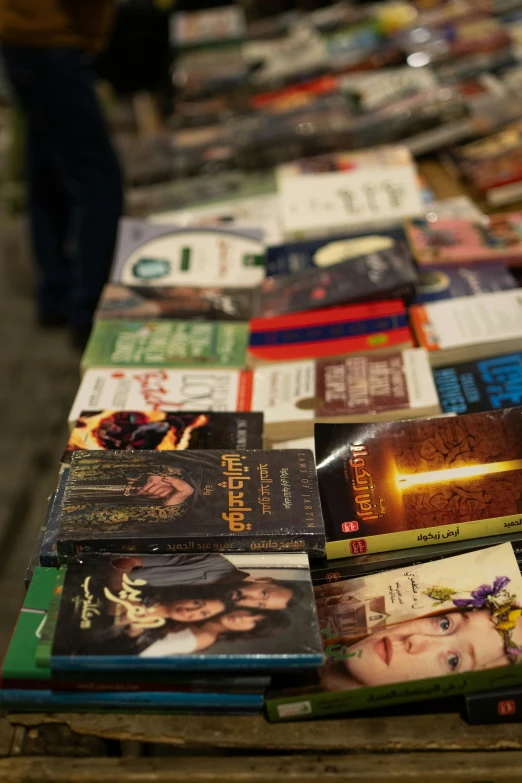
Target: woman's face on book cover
[
  {"x": 427, "y": 647},
  {"x": 194, "y": 611}
]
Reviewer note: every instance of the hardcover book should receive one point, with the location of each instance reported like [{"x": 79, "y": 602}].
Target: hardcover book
[
  {"x": 434, "y": 630},
  {"x": 355, "y": 389},
  {"x": 191, "y": 612},
  {"x": 452, "y": 282},
  {"x": 413, "y": 483},
  {"x": 183, "y": 302},
  {"x": 191, "y": 501},
  {"x": 151, "y": 255},
  {"x": 155, "y": 389},
  {"x": 336, "y": 331},
  {"x": 377, "y": 270},
  {"x": 467, "y": 328},
  {"x": 497, "y": 237},
  {"x": 483, "y": 385},
  {"x": 171, "y": 344},
  {"x": 164, "y": 431}
]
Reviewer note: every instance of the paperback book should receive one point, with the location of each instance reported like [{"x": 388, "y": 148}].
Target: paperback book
[
  {"x": 170, "y": 344},
  {"x": 183, "y": 302},
  {"x": 164, "y": 431},
  {"x": 191, "y": 612},
  {"x": 467, "y": 328},
  {"x": 378, "y": 328},
  {"x": 355, "y": 389},
  {"x": 499, "y": 706},
  {"x": 439, "y": 629},
  {"x": 404, "y": 484},
  {"x": 48, "y": 555},
  {"x": 191, "y": 501},
  {"x": 488, "y": 384},
  {"x": 156, "y": 389},
  {"x": 452, "y": 282},
  {"x": 495, "y": 238},
  {"x": 148, "y": 254},
  {"x": 376, "y": 270}
]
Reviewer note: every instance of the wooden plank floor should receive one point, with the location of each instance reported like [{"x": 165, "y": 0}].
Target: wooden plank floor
[{"x": 38, "y": 379}]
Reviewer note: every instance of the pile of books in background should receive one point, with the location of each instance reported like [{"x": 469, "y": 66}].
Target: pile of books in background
[{"x": 332, "y": 306}]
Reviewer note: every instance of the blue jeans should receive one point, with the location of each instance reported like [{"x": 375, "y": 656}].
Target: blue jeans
[{"x": 75, "y": 186}]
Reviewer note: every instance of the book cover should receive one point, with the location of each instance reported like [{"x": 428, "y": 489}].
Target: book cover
[
  {"x": 385, "y": 272},
  {"x": 155, "y": 389},
  {"x": 164, "y": 431},
  {"x": 334, "y": 331},
  {"x": 493, "y": 161},
  {"x": 464, "y": 241},
  {"x": 434, "y": 630},
  {"x": 472, "y": 327},
  {"x": 210, "y": 26},
  {"x": 448, "y": 283},
  {"x": 472, "y": 387},
  {"x": 190, "y": 612},
  {"x": 412, "y": 483},
  {"x": 182, "y": 302},
  {"x": 48, "y": 555},
  {"x": 191, "y": 501},
  {"x": 291, "y": 258},
  {"x": 500, "y": 706},
  {"x": 151, "y": 255},
  {"x": 170, "y": 344}
]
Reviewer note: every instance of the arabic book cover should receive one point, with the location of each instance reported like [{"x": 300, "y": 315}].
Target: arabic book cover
[
  {"x": 188, "y": 611},
  {"x": 403, "y": 484},
  {"x": 120, "y": 430},
  {"x": 201, "y": 500},
  {"x": 432, "y": 630}
]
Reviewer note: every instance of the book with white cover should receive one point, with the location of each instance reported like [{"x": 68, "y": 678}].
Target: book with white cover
[
  {"x": 353, "y": 389},
  {"x": 148, "y": 254},
  {"x": 471, "y": 327}
]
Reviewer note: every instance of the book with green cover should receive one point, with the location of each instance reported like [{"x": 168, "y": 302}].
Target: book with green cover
[
  {"x": 43, "y": 649},
  {"x": 165, "y": 343},
  {"x": 431, "y": 630}
]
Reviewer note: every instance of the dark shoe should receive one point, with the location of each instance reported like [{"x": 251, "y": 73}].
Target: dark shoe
[
  {"x": 50, "y": 320},
  {"x": 80, "y": 336}
]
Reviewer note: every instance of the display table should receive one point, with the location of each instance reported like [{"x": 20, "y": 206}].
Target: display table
[{"x": 110, "y": 748}]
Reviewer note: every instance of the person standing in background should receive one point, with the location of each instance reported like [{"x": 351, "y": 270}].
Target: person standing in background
[{"x": 75, "y": 184}]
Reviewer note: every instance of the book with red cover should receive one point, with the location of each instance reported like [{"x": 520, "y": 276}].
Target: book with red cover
[{"x": 336, "y": 331}]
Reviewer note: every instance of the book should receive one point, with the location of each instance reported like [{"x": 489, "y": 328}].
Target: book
[
  {"x": 356, "y": 389},
  {"x": 148, "y": 254},
  {"x": 48, "y": 555},
  {"x": 362, "y": 250},
  {"x": 170, "y": 344},
  {"x": 453, "y": 207},
  {"x": 378, "y": 328},
  {"x": 439, "y": 629},
  {"x": 210, "y": 26},
  {"x": 488, "y": 384},
  {"x": 155, "y": 389},
  {"x": 499, "y": 706},
  {"x": 182, "y": 302},
  {"x": 164, "y": 431},
  {"x": 414, "y": 483},
  {"x": 465, "y": 241},
  {"x": 451, "y": 282},
  {"x": 336, "y": 192},
  {"x": 258, "y": 613},
  {"x": 191, "y": 501},
  {"x": 467, "y": 328},
  {"x": 376, "y": 271}
]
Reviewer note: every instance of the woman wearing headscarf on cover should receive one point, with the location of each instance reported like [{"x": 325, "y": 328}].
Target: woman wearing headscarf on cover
[{"x": 75, "y": 187}]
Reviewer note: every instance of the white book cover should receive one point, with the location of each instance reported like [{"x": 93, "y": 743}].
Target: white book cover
[
  {"x": 297, "y": 443},
  {"x": 148, "y": 254},
  {"x": 158, "y": 389},
  {"x": 279, "y": 388}
]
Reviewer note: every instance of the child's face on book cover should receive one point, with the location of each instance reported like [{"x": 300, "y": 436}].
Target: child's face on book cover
[{"x": 427, "y": 647}]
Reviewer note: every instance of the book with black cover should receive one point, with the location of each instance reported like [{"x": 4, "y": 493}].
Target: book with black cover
[
  {"x": 48, "y": 555},
  {"x": 192, "y": 612},
  {"x": 499, "y": 706},
  {"x": 191, "y": 501}
]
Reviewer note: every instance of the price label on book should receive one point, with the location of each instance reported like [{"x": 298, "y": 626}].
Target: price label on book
[{"x": 338, "y": 200}]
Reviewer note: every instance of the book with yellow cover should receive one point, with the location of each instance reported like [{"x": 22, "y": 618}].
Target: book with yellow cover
[{"x": 396, "y": 485}]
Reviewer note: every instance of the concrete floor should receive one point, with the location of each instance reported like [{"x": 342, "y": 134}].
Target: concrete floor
[{"x": 38, "y": 379}]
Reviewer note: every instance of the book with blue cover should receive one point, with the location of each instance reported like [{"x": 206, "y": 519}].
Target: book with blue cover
[
  {"x": 485, "y": 385},
  {"x": 437, "y": 283},
  {"x": 187, "y": 612}
]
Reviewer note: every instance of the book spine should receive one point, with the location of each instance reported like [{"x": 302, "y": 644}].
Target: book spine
[
  {"x": 504, "y": 706},
  {"x": 334, "y": 331},
  {"x": 407, "y": 539},
  {"x": 313, "y": 545}
]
